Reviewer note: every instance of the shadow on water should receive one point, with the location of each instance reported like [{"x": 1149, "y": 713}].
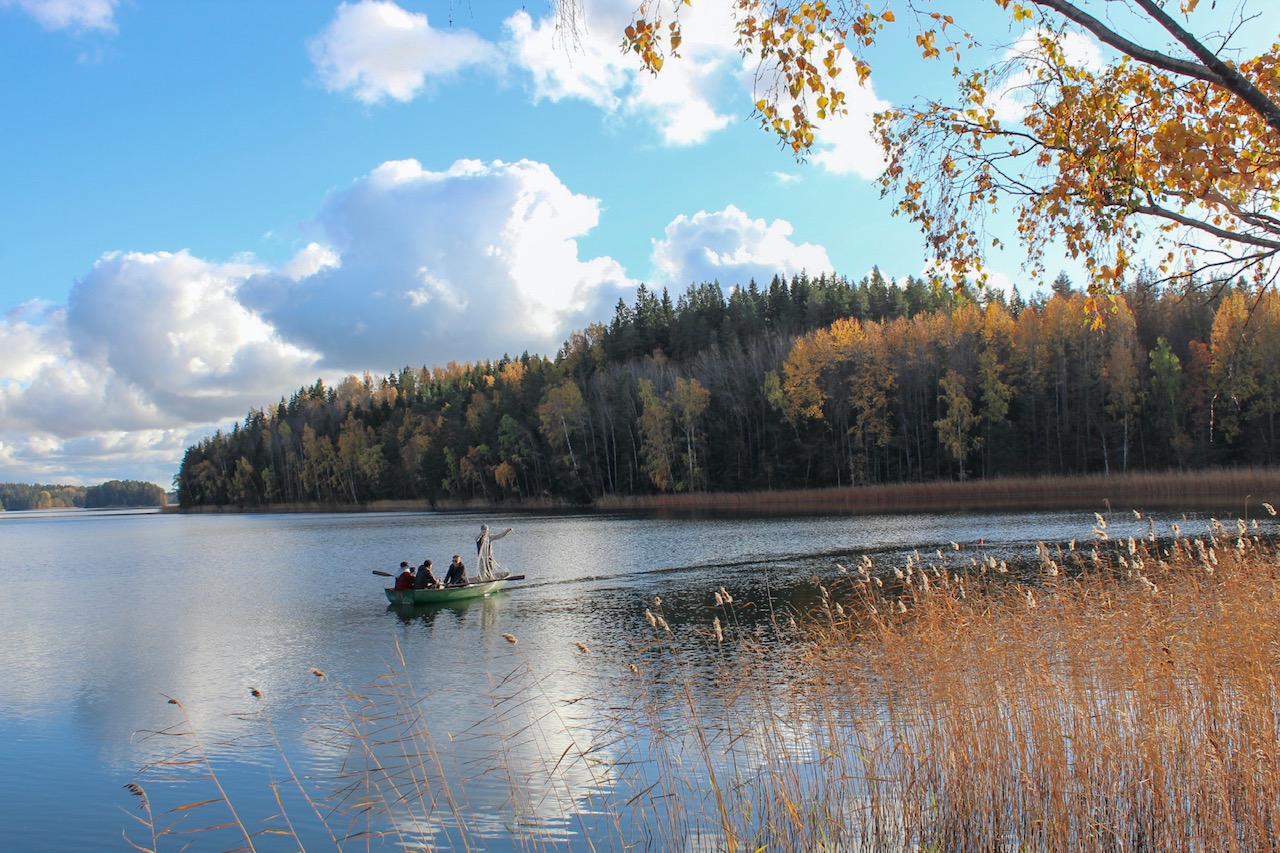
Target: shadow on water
[{"x": 427, "y": 613}]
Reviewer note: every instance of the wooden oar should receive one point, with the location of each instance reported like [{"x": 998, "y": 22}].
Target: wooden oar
[{"x": 384, "y": 574}]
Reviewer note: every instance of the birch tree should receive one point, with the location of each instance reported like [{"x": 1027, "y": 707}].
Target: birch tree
[{"x": 1173, "y": 140}]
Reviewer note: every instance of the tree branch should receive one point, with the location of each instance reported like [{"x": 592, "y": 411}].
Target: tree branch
[
  {"x": 1229, "y": 77},
  {"x": 1208, "y": 228},
  {"x": 1212, "y": 70}
]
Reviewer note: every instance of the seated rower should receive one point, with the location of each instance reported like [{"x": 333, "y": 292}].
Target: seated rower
[
  {"x": 404, "y": 580},
  {"x": 426, "y": 579},
  {"x": 457, "y": 574}
]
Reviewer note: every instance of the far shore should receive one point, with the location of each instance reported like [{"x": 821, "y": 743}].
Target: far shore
[{"x": 1231, "y": 492}]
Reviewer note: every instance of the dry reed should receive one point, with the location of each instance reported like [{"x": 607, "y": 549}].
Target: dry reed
[{"x": 1124, "y": 697}]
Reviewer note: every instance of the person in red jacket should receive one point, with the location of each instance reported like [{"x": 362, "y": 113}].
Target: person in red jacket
[{"x": 404, "y": 580}]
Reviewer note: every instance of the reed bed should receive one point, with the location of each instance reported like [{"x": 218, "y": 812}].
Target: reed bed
[
  {"x": 1122, "y": 697},
  {"x": 1117, "y": 695},
  {"x": 1229, "y": 491}
]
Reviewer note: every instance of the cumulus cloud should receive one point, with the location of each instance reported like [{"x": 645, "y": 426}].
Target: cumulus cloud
[
  {"x": 149, "y": 455},
  {"x": 68, "y": 14},
  {"x": 374, "y": 50},
  {"x": 1015, "y": 91},
  {"x": 154, "y": 350},
  {"x": 845, "y": 144},
  {"x": 686, "y": 102},
  {"x": 148, "y": 347},
  {"x": 461, "y": 264},
  {"x": 681, "y": 102},
  {"x": 191, "y": 345},
  {"x": 414, "y": 267},
  {"x": 146, "y": 341},
  {"x": 730, "y": 247}
]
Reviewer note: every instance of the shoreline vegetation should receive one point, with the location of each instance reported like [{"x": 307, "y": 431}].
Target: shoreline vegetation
[
  {"x": 1234, "y": 492},
  {"x": 113, "y": 494},
  {"x": 1122, "y": 694},
  {"x": 811, "y": 384}
]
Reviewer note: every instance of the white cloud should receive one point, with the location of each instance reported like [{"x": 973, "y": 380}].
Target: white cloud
[
  {"x": 1015, "y": 91},
  {"x": 374, "y": 50},
  {"x": 309, "y": 261},
  {"x": 191, "y": 348},
  {"x": 463, "y": 264},
  {"x": 586, "y": 70},
  {"x": 845, "y": 144},
  {"x": 154, "y": 350},
  {"x": 685, "y": 102},
  {"x": 681, "y": 102},
  {"x": 68, "y": 14},
  {"x": 149, "y": 348},
  {"x": 732, "y": 248}
]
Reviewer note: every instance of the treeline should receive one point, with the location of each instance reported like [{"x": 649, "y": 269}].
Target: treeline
[
  {"x": 811, "y": 382},
  {"x": 26, "y": 496},
  {"x": 20, "y": 496},
  {"x": 124, "y": 493}
]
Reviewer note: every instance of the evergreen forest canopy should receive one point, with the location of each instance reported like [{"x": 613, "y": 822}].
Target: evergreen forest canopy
[
  {"x": 808, "y": 383},
  {"x": 27, "y": 496}
]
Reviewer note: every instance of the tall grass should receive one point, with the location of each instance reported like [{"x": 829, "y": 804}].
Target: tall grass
[
  {"x": 1222, "y": 490},
  {"x": 1119, "y": 695}
]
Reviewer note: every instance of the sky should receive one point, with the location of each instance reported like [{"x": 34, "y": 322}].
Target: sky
[{"x": 208, "y": 204}]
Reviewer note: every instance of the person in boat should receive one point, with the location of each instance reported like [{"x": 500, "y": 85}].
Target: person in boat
[
  {"x": 404, "y": 580},
  {"x": 425, "y": 578},
  {"x": 485, "y": 565},
  {"x": 457, "y": 574}
]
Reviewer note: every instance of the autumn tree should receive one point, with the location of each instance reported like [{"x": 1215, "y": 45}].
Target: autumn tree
[
  {"x": 658, "y": 447},
  {"x": 1120, "y": 377},
  {"x": 562, "y": 417},
  {"x": 957, "y": 426},
  {"x": 690, "y": 401},
  {"x": 1170, "y": 140},
  {"x": 997, "y": 367}
]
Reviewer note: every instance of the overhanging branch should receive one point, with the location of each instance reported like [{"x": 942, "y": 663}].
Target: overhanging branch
[{"x": 1210, "y": 69}]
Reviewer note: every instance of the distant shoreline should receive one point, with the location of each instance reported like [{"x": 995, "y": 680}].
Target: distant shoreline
[{"x": 1237, "y": 492}]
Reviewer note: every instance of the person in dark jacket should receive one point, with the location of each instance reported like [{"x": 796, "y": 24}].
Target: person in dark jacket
[
  {"x": 425, "y": 579},
  {"x": 457, "y": 574}
]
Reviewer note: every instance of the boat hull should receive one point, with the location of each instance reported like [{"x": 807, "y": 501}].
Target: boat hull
[{"x": 444, "y": 594}]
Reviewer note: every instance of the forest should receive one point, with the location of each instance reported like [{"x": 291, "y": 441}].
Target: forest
[
  {"x": 806, "y": 383},
  {"x": 26, "y": 496}
]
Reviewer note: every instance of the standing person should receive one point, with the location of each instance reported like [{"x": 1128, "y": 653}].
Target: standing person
[
  {"x": 457, "y": 574},
  {"x": 404, "y": 580},
  {"x": 484, "y": 552},
  {"x": 425, "y": 578}
]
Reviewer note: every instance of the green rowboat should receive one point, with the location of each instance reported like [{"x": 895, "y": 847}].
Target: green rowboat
[{"x": 473, "y": 589}]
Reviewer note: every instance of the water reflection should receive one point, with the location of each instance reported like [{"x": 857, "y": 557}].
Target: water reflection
[{"x": 105, "y": 615}]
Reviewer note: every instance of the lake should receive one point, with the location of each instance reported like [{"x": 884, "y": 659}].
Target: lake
[{"x": 103, "y": 616}]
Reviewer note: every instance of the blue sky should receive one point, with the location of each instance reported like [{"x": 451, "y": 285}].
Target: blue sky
[{"x": 205, "y": 205}]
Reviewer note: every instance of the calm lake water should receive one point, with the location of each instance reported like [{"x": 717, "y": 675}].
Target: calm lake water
[{"x": 103, "y": 616}]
